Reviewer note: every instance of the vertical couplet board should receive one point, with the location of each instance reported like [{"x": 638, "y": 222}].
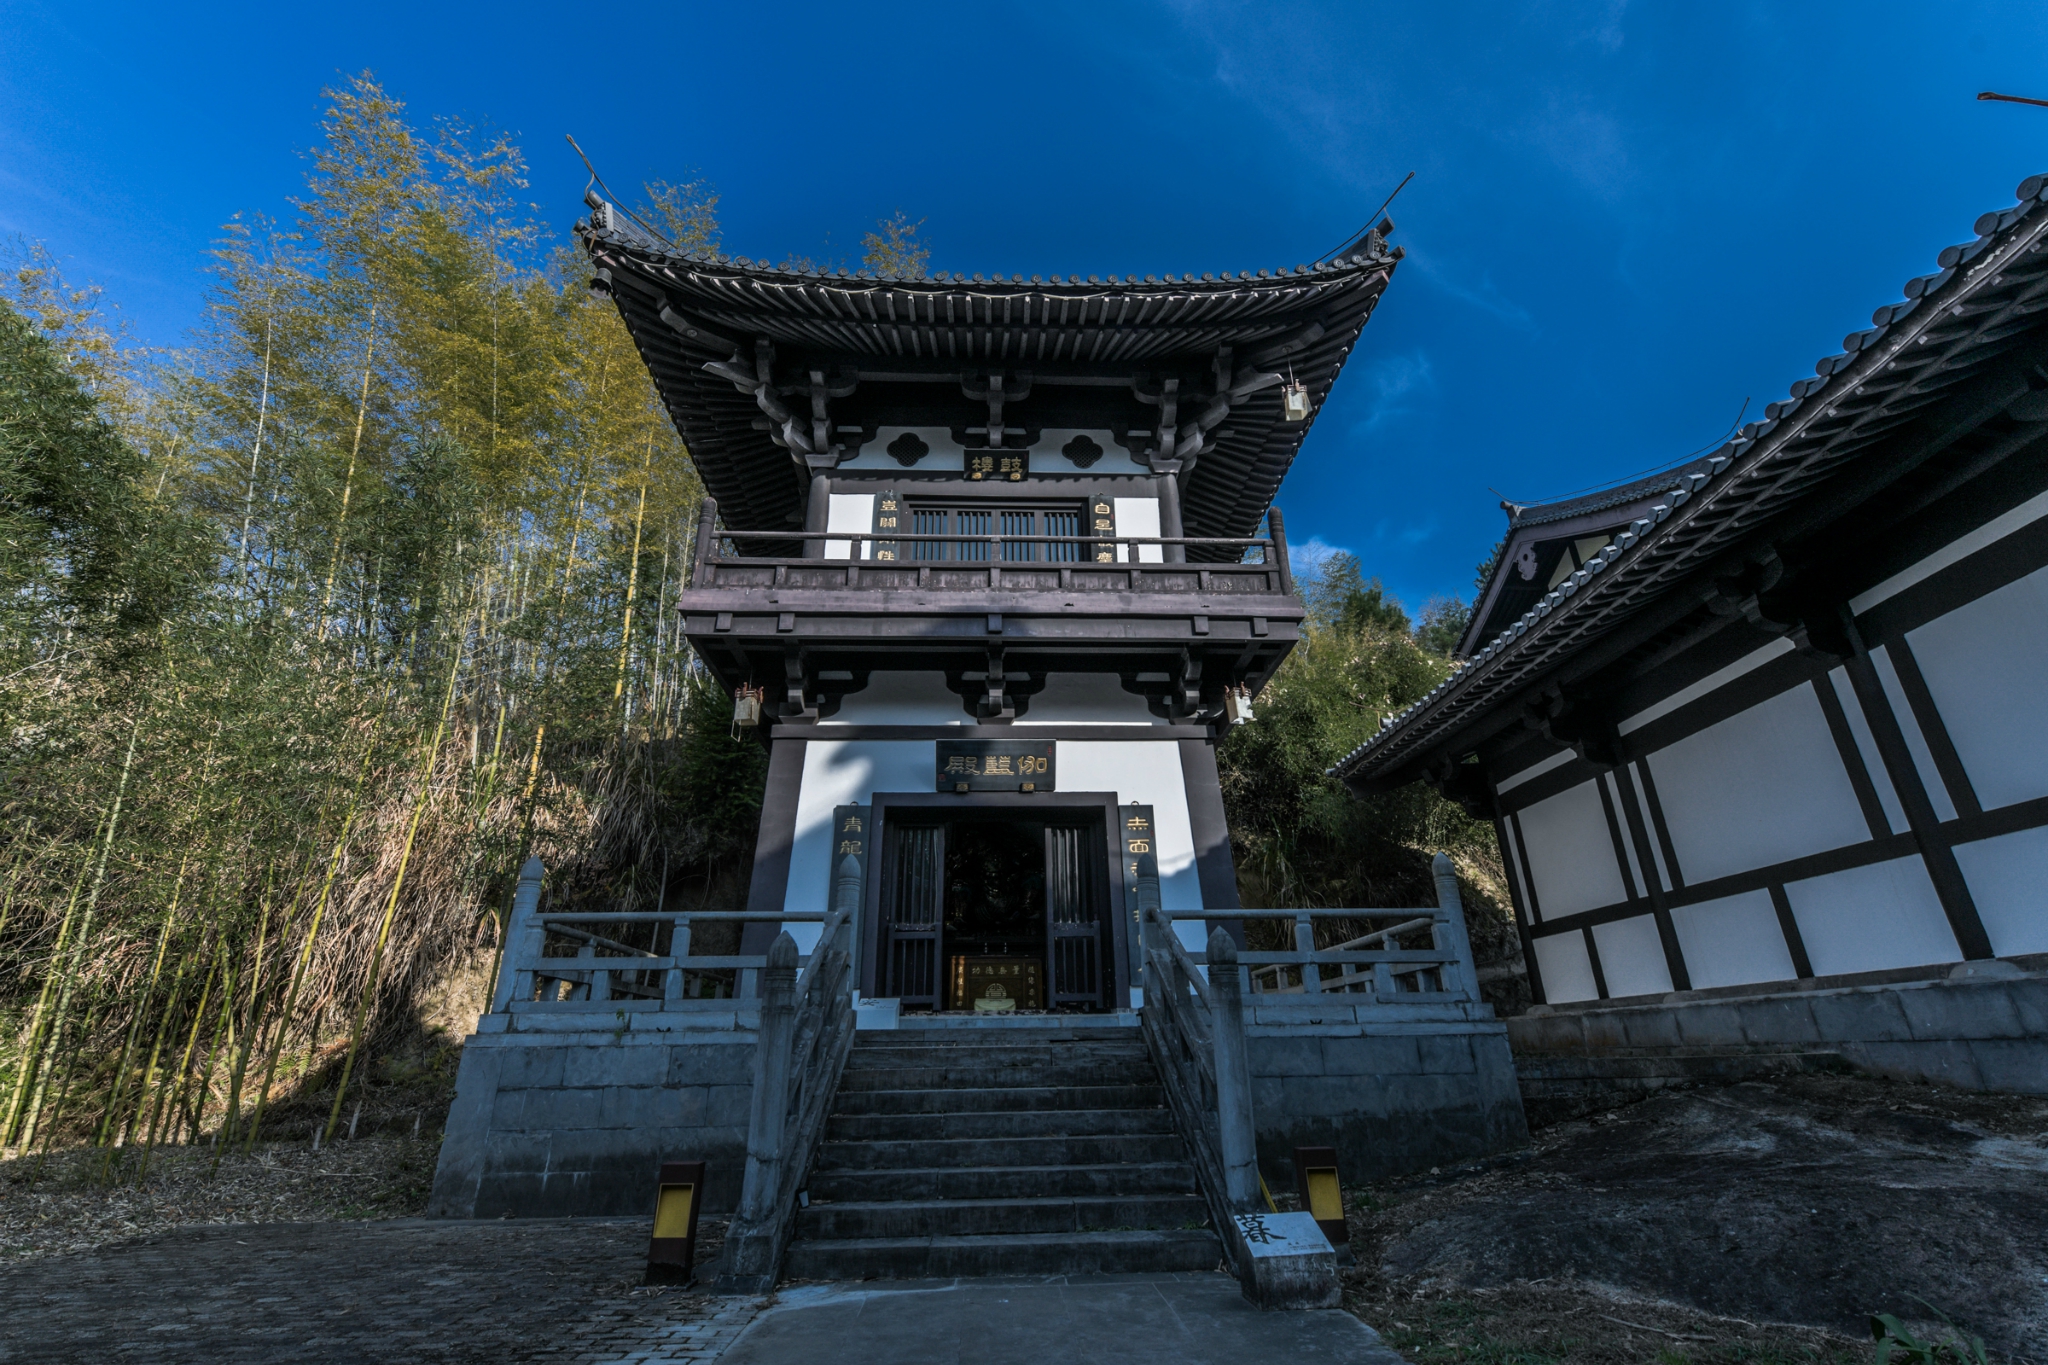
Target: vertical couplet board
[
  {"x": 847, "y": 873},
  {"x": 888, "y": 517},
  {"x": 1140, "y": 863},
  {"x": 1102, "y": 522}
]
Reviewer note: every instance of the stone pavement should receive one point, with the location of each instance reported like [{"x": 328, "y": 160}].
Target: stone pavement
[
  {"x": 1183, "y": 1319},
  {"x": 568, "y": 1291},
  {"x": 364, "y": 1293}
]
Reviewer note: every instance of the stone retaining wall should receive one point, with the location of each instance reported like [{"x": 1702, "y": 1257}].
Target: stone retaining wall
[
  {"x": 1978, "y": 1026},
  {"x": 1392, "y": 1097},
  {"x": 577, "y": 1123}
]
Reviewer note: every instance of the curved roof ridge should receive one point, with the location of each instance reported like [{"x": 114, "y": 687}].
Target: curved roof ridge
[{"x": 1758, "y": 442}]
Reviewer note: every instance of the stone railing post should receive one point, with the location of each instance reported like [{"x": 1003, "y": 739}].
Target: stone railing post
[
  {"x": 1233, "y": 1077},
  {"x": 523, "y": 939},
  {"x": 771, "y": 1081},
  {"x": 1450, "y": 930}
]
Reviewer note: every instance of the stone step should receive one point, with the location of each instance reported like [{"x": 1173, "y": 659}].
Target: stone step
[
  {"x": 1003, "y": 1182},
  {"x": 986, "y": 1076},
  {"x": 989, "y": 1217},
  {"x": 1057, "y": 1253},
  {"x": 1143, "y": 1148},
  {"x": 998, "y": 1124},
  {"x": 1002, "y": 1099},
  {"x": 966, "y": 1035},
  {"x": 1080, "y": 1054}
]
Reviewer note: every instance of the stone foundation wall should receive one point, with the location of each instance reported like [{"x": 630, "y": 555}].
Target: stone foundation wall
[
  {"x": 1392, "y": 1098},
  {"x": 1978, "y": 1026},
  {"x": 576, "y": 1124}
]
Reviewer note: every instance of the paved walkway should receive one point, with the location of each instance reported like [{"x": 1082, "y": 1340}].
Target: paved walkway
[
  {"x": 1189, "y": 1319},
  {"x": 511, "y": 1291},
  {"x": 408, "y": 1290}
]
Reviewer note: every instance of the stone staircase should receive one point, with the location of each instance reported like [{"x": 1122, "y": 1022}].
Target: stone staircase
[{"x": 1000, "y": 1151}]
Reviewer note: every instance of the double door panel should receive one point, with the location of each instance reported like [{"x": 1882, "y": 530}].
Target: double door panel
[
  {"x": 913, "y": 913},
  {"x": 975, "y": 524}
]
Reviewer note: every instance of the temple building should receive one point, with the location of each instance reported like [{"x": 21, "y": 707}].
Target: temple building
[
  {"x": 994, "y": 560},
  {"x": 990, "y": 566},
  {"x": 1762, "y": 736}
]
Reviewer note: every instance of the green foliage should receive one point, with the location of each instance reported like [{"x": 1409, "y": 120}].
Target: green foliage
[
  {"x": 377, "y": 580},
  {"x": 1443, "y": 624},
  {"x": 1301, "y": 838},
  {"x": 893, "y": 248},
  {"x": 1895, "y": 1342}
]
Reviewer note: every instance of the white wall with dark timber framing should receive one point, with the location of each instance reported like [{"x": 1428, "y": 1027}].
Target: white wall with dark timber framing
[{"x": 1786, "y": 815}]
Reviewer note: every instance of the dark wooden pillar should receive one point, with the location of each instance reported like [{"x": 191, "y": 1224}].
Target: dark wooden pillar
[{"x": 773, "y": 844}]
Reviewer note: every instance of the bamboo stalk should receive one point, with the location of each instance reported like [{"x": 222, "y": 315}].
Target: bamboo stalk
[
  {"x": 256, "y": 453},
  {"x": 633, "y": 573},
  {"x": 419, "y": 810},
  {"x": 234, "y": 1106},
  {"x": 163, "y": 943},
  {"x": 348, "y": 483},
  {"x": 312, "y": 933}
]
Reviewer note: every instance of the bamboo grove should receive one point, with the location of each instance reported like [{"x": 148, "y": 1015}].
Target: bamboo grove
[{"x": 312, "y": 631}]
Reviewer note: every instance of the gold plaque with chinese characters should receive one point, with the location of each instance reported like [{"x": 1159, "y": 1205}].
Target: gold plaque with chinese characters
[{"x": 995, "y": 765}]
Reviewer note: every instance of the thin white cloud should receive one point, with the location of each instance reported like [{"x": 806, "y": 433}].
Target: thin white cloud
[{"x": 1395, "y": 381}]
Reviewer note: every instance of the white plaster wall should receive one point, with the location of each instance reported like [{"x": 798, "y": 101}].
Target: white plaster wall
[
  {"x": 1567, "y": 971},
  {"x": 2008, "y": 879},
  {"x": 1632, "y": 957},
  {"x": 1086, "y": 699},
  {"x": 945, "y": 455},
  {"x": 850, "y": 512},
  {"x": 902, "y": 698},
  {"x": 1763, "y": 786},
  {"x": 1145, "y": 772},
  {"x": 844, "y": 772},
  {"x": 1047, "y": 459},
  {"x": 1916, "y": 742},
  {"x": 1870, "y": 918},
  {"x": 1733, "y": 941},
  {"x": 1138, "y": 517},
  {"x": 1986, "y": 664},
  {"x": 1571, "y": 852},
  {"x": 1866, "y": 745}
]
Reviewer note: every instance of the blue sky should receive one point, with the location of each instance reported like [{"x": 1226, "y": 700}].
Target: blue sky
[{"x": 1625, "y": 218}]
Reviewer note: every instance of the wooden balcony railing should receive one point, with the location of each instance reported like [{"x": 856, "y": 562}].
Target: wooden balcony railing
[{"x": 854, "y": 561}]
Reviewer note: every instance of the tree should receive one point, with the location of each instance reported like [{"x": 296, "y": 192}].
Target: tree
[{"x": 893, "y": 248}]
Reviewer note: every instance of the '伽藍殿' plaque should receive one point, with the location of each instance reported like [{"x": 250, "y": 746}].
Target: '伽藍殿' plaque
[{"x": 995, "y": 765}]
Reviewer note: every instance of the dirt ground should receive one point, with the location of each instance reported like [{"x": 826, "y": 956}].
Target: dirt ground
[
  {"x": 1758, "y": 1222},
  {"x": 81, "y": 1199}
]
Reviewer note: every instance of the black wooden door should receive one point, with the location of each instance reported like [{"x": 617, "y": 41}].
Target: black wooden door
[
  {"x": 913, "y": 913},
  {"x": 1076, "y": 909}
]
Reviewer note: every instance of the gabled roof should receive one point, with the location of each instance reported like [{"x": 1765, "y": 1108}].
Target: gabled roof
[
  {"x": 1987, "y": 297},
  {"x": 1544, "y": 541},
  {"x": 1088, "y": 346}
]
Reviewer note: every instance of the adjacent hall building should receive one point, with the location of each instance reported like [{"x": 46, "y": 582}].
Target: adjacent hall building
[{"x": 1765, "y": 738}]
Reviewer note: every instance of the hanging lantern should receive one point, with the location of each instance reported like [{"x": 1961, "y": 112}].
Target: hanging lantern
[
  {"x": 1237, "y": 705},
  {"x": 746, "y": 706},
  {"x": 1294, "y": 401}
]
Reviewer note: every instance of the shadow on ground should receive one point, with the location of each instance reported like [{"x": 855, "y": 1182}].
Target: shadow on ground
[{"x": 1697, "y": 1223}]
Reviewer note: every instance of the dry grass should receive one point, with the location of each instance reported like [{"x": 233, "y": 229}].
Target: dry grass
[{"x": 65, "y": 1203}]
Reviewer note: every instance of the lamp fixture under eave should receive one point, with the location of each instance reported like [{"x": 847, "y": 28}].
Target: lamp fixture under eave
[{"x": 1294, "y": 401}]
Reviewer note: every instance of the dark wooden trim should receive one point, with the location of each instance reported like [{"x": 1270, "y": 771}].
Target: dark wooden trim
[
  {"x": 1795, "y": 942},
  {"x": 2003, "y": 562},
  {"x": 1518, "y": 902},
  {"x": 1528, "y": 874},
  {"x": 1660, "y": 905},
  {"x": 1947, "y": 763},
  {"x": 1593, "y": 957},
  {"x": 1614, "y": 837},
  {"x": 2021, "y": 815},
  {"x": 1852, "y": 756},
  {"x": 1659, "y": 824},
  {"x": 768, "y": 889},
  {"x": 1956, "y": 901},
  {"x": 1181, "y": 733}
]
